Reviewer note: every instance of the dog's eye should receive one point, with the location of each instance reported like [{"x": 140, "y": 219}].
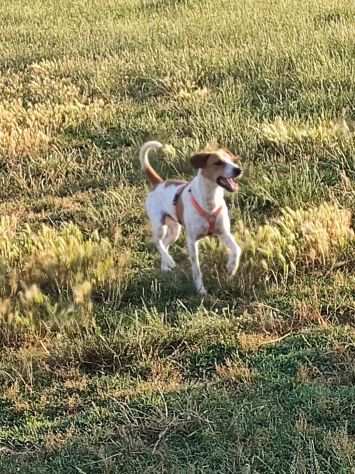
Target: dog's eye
[{"x": 218, "y": 163}]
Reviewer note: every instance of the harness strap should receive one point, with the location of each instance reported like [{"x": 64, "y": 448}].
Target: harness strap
[
  {"x": 179, "y": 192},
  {"x": 209, "y": 217},
  {"x": 176, "y": 199}
]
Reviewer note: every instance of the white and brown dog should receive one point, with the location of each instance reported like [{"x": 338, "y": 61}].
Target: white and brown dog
[{"x": 197, "y": 205}]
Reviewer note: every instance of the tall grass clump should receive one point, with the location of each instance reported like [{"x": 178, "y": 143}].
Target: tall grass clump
[
  {"x": 50, "y": 278},
  {"x": 292, "y": 135},
  {"x": 302, "y": 238},
  {"x": 299, "y": 238}
]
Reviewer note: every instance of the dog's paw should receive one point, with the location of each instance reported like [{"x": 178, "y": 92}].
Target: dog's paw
[
  {"x": 202, "y": 291},
  {"x": 168, "y": 266}
]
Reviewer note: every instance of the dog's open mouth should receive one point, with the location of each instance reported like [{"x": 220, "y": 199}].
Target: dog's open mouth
[{"x": 227, "y": 183}]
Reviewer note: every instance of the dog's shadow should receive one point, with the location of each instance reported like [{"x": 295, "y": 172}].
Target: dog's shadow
[{"x": 168, "y": 292}]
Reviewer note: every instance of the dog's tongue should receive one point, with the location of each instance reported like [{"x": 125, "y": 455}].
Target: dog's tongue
[{"x": 232, "y": 184}]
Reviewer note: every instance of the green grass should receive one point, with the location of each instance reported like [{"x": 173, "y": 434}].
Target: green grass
[{"x": 107, "y": 366}]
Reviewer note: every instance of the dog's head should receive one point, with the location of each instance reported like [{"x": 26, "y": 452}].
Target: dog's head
[{"x": 219, "y": 166}]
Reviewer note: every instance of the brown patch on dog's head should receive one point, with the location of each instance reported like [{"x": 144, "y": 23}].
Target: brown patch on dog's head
[
  {"x": 199, "y": 160},
  {"x": 218, "y": 166},
  {"x": 232, "y": 156}
]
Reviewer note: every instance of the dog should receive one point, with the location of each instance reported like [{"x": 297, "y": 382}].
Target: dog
[{"x": 197, "y": 205}]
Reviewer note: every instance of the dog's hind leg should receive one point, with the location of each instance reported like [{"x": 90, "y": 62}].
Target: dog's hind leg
[
  {"x": 173, "y": 232},
  {"x": 160, "y": 233}
]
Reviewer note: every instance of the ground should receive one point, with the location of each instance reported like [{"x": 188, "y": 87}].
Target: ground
[{"x": 105, "y": 364}]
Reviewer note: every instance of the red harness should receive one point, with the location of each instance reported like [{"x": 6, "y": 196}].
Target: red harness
[{"x": 210, "y": 217}]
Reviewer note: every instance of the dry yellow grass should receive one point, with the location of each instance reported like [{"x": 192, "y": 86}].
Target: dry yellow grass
[
  {"x": 301, "y": 238},
  {"x": 107, "y": 366},
  {"x": 48, "y": 278}
]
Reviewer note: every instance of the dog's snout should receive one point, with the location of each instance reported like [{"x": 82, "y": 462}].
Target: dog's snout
[{"x": 237, "y": 172}]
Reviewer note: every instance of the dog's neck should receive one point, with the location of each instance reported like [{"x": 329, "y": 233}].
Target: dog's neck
[{"x": 208, "y": 193}]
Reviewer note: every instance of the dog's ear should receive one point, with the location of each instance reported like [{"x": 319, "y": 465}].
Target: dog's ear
[{"x": 199, "y": 160}]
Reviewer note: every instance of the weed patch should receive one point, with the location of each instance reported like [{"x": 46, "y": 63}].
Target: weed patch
[{"x": 49, "y": 278}]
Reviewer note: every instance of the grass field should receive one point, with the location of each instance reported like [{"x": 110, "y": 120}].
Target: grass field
[{"x": 107, "y": 366}]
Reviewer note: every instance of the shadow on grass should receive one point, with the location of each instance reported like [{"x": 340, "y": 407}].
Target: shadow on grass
[
  {"x": 171, "y": 292},
  {"x": 268, "y": 425},
  {"x": 332, "y": 18}
]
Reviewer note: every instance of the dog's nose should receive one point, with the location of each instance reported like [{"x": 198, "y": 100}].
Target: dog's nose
[{"x": 237, "y": 172}]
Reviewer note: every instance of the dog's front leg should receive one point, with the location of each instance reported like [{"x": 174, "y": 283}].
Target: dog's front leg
[
  {"x": 233, "y": 250},
  {"x": 192, "y": 246}
]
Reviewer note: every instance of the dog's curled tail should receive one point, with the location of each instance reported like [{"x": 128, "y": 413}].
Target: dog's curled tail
[{"x": 151, "y": 174}]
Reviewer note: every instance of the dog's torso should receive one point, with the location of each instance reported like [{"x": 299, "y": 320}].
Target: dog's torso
[
  {"x": 174, "y": 200},
  {"x": 160, "y": 201}
]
